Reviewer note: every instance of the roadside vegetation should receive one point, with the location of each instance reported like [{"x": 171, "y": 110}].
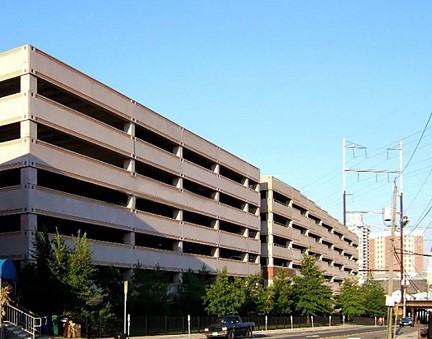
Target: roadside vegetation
[{"x": 61, "y": 279}]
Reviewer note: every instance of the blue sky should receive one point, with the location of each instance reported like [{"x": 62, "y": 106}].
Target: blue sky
[{"x": 278, "y": 83}]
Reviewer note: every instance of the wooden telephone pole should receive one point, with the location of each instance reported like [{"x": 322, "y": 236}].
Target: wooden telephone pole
[{"x": 391, "y": 263}]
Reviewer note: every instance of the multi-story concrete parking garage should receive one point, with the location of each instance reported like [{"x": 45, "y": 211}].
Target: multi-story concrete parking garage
[
  {"x": 77, "y": 155},
  {"x": 292, "y": 226}
]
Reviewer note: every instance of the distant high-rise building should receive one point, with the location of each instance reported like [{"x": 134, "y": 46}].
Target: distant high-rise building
[
  {"x": 380, "y": 248},
  {"x": 362, "y": 230}
]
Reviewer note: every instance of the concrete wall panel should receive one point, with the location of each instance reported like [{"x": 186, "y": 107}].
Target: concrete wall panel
[
  {"x": 47, "y": 156},
  {"x": 200, "y": 234},
  {"x": 14, "y": 152},
  {"x": 199, "y": 174},
  {"x": 233, "y": 241},
  {"x": 148, "y": 153},
  {"x": 64, "y": 205},
  {"x": 14, "y": 245},
  {"x": 150, "y": 223},
  {"x": 200, "y": 145},
  {"x": 80, "y": 125},
  {"x": 14, "y": 62},
  {"x": 13, "y": 200},
  {"x": 13, "y": 108},
  {"x": 156, "y": 122}
]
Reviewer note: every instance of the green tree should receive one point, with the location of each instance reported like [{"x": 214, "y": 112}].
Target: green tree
[
  {"x": 351, "y": 299},
  {"x": 225, "y": 295},
  {"x": 191, "y": 291},
  {"x": 374, "y": 298},
  {"x": 61, "y": 278},
  {"x": 74, "y": 269},
  {"x": 282, "y": 293},
  {"x": 111, "y": 281},
  {"x": 312, "y": 297},
  {"x": 150, "y": 291},
  {"x": 38, "y": 288},
  {"x": 257, "y": 299}
]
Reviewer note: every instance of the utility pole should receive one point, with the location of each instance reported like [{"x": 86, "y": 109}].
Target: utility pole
[
  {"x": 351, "y": 145},
  {"x": 354, "y": 147},
  {"x": 391, "y": 252},
  {"x": 402, "y": 272}
]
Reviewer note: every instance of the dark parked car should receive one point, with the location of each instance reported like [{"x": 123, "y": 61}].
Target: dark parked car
[
  {"x": 407, "y": 321},
  {"x": 230, "y": 327}
]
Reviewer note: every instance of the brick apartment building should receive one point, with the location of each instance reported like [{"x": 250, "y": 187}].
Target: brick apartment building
[{"x": 380, "y": 248}]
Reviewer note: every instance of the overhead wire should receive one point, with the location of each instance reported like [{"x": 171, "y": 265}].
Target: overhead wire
[{"x": 418, "y": 143}]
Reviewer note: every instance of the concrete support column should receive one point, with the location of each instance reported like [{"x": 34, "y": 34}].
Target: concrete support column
[
  {"x": 178, "y": 215},
  {"x": 178, "y": 183},
  {"x": 177, "y": 279},
  {"x": 129, "y": 128},
  {"x": 246, "y": 232},
  {"x": 270, "y": 261},
  {"x": 178, "y": 151},
  {"x": 28, "y": 176},
  {"x": 216, "y": 168},
  {"x": 269, "y": 195},
  {"x": 216, "y": 252},
  {"x": 131, "y": 202},
  {"x": 216, "y": 196},
  {"x": 245, "y": 182},
  {"x": 28, "y": 83},
  {"x": 270, "y": 246},
  {"x": 178, "y": 246},
  {"x": 215, "y": 224},
  {"x": 28, "y": 129},
  {"x": 28, "y": 229},
  {"x": 129, "y": 164},
  {"x": 129, "y": 238}
]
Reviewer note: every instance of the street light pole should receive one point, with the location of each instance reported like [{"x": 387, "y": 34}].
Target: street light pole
[{"x": 125, "y": 303}]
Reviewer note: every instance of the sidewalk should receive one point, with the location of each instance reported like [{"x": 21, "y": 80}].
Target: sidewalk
[{"x": 412, "y": 335}]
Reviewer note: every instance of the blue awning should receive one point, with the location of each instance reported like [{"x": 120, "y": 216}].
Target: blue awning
[{"x": 7, "y": 270}]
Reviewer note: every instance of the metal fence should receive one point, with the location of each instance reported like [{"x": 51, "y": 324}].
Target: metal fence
[{"x": 161, "y": 325}]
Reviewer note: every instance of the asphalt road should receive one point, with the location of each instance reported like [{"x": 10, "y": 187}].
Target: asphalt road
[
  {"x": 342, "y": 332},
  {"x": 354, "y": 333},
  {"x": 366, "y": 332}
]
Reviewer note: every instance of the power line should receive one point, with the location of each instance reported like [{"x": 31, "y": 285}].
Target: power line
[{"x": 418, "y": 143}]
